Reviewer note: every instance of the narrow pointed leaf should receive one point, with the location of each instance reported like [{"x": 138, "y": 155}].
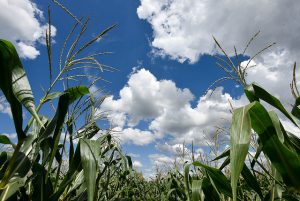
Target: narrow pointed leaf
[
  {"x": 196, "y": 190},
  {"x": 224, "y": 154},
  {"x": 5, "y": 140},
  {"x": 258, "y": 92},
  {"x": 218, "y": 179},
  {"x": 187, "y": 180},
  {"x": 286, "y": 162},
  {"x": 68, "y": 97},
  {"x": 240, "y": 135},
  {"x": 251, "y": 180},
  {"x": 296, "y": 110},
  {"x": 89, "y": 151}
]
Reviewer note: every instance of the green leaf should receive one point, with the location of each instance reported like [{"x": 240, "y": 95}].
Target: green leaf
[
  {"x": 224, "y": 154},
  {"x": 257, "y": 154},
  {"x": 255, "y": 92},
  {"x": 251, "y": 181},
  {"x": 5, "y": 140},
  {"x": 196, "y": 190},
  {"x": 20, "y": 167},
  {"x": 218, "y": 179},
  {"x": 286, "y": 162},
  {"x": 12, "y": 187},
  {"x": 296, "y": 110},
  {"x": 66, "y": 98},
  {"x": 71, "y": 174},
  {"x": 89, "y": 151},
  {"x": 187, "y": 180},
  {"x": 209, "y": 191},
  {"x": 51, "y": 96},
  {"x": 240, "y": 135},
  {"x": 41, "y": 190},
  {"x": 15, "y": 85}
]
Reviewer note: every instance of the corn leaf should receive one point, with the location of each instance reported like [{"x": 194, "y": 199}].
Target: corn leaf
[
  {"x": 286, "y": 162},
  {"x": 196, "y": 190},
  {"x": 89, "y": 151},
  {"x": 5, "y": 140},
  {"x": 12, "y": 187},
  {"x": 251, "y": 180},
  {"x": 218, "y": 179},
  {"x": 15, "y": 85},
  {"x": 254, "y": 92},
  {"x": 240, "y": 134}
]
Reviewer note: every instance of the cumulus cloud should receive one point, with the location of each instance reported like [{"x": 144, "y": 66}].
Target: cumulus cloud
[
  {"x": 173, "y": 149},
  {"x": 20, "y": 22},
  {"x": 134, "y": 136},
  {"x": 183, "y": 29},
  {"x": 137, "y": 164},
  {"x": 161, "y": 160},
  {"x": 167, "y": 111},
  {"x": 273, "y": 71},
  {"x": 4, "y": 106},
  {"x": 145, "y": 97}
]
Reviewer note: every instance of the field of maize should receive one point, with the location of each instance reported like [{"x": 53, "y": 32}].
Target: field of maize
[{"x": 261, "y": 163}]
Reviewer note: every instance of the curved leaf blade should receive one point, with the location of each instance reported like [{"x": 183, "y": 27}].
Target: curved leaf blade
[{"x": 14, "y": 82}]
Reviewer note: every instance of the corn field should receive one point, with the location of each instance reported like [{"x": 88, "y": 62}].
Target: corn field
[{"x": 262, "y": 162}]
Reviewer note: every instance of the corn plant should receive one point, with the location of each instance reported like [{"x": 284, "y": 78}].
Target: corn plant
[
  {"x": 277, "y": 178},
  {"x": 87, "y": 164}
]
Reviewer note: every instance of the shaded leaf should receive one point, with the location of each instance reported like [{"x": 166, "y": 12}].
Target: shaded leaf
[
  {"x": 251, "y": 180},
  {"x": 286, "y": 162},
  {"x": 254, "y": 92},
  {"x": 5, "y": 140},
  {"x": 218, "y": 179}
]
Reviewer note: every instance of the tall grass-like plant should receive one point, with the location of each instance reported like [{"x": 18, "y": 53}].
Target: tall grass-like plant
[
  {"x": 279, "y": 148},
  {"x": 87, "y": 164},
  {"x": 69, "y": 157}
]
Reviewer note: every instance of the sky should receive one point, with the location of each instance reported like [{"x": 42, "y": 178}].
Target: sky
[{"x": 159, "y": 103}]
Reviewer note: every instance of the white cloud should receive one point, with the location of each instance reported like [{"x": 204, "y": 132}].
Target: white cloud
[
  {"x": 4, "y": 106},
  {"x": 167, "y": 110},
  {"x": 27, "y": 51},
  {"x": 134, "y": 155},
  {"x": 137, "y": 164},
  {"x": 273, "y": 71},
  {"x": 134, "y": 136},
  {"x": 161, "y": 160},
  {"x": 20, "y": 22},
  {"x": 177, "y": 149},
  {"x": 145, "y": 97},
  {"x": 183, "y": 29}
]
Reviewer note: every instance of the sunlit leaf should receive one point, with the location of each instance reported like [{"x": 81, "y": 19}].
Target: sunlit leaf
[
  {"x": 89, "y": 151},
  {"x": 15, "y": 85},
  {"x": 240, "y": 134}
]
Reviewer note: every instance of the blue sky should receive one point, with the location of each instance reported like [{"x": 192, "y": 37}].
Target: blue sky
[{"x": 160, "y": 47}]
